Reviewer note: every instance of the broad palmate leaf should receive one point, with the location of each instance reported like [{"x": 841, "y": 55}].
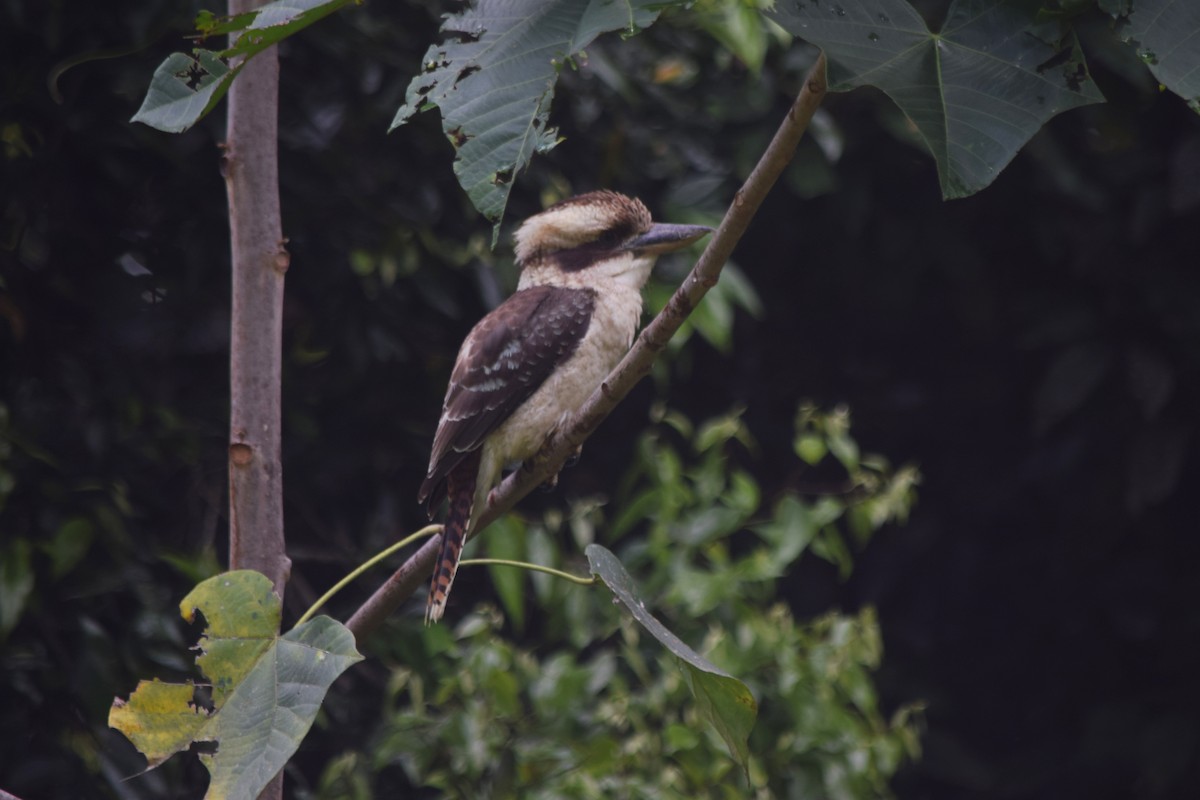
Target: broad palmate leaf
[
  {"x": 722, "y": 699},
  {"x": 493, "y": 79},
  {"x": 266, "y": 688},
  {"x": 1167, "y": 36},
  {"x": 976, "y": 91}
]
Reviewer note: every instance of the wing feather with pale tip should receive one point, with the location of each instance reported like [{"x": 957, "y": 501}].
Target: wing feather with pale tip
[{"x": 503, "y": 361}]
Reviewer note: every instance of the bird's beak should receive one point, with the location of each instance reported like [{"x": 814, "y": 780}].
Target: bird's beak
[{"x": 664, "y": 237}]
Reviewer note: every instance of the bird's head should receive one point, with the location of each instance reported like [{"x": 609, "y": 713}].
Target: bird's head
[{"x": 598, "y": 235}]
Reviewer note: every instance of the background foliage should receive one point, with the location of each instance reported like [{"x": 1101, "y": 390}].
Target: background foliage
[{"x": 1032, "y": 348}]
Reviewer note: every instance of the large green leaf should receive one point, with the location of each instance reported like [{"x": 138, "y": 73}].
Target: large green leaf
[
  {"x": 493, "y": 79},
  {"x": 976, "y": 91},
  {"x": 1167, "y": 36},
  {"x": 185, "y": 88},
  {"x": 266, "y": 688},
  {"x": 721, "y": 698}
]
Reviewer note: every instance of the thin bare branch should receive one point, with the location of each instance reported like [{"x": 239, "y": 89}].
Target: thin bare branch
[{"x": 414, "y": 573}]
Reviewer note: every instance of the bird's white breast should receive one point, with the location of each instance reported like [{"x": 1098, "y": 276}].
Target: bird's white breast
[{"x": 610, "y": 333}]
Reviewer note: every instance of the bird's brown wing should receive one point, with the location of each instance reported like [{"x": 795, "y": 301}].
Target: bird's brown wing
[{"x": 503, "y": 361}]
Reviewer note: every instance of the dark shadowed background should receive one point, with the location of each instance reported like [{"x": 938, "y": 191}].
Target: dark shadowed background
[{"x": 1034, "y": 349}]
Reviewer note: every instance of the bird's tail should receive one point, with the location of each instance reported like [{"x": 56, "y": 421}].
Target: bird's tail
[{"x": 460, "y": 488}]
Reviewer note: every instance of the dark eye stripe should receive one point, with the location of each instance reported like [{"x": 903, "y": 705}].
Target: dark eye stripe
[
  {"x": 618, "y": 234},
  {"x": 582, "y": 256}
]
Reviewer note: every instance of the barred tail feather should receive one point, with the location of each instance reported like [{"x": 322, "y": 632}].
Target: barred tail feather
[{"x": 460, "y": 488}]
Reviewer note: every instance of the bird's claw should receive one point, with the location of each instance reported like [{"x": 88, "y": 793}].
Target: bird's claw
[{"x": 573, "y": 459}]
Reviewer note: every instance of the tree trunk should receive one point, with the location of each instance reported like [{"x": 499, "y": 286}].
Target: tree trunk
[{"x": 260, "y": 261}]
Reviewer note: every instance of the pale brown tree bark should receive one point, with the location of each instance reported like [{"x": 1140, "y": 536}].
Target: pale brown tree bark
[
  {"x": 259, "y": 261},
  {"x": 256, "y": 539}
]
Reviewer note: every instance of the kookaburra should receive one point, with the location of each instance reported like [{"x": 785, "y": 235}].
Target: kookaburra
[{"x": 535, "y": 359}]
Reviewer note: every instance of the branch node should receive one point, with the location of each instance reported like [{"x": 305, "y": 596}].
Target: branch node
[
  {"x": 240, "y": 454},
  {"x": 226, "y": 165},
  {"x": 657, "y": 343}
]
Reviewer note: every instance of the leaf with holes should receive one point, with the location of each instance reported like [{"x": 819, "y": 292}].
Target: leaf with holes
[
  {"x": 185, "y": 88},
  {"x": 975, "y": 92},
  {"x": 722, "y": 699},
  {"x": 1167, "y": 36},
  {"x": 493, "y": 79},
  {"x": 266, "y": 689}
]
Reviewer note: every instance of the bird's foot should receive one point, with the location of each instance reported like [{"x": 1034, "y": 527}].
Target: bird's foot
[
  {"x": 550, "y": 483},
  {"x": 573, "y": 459}
]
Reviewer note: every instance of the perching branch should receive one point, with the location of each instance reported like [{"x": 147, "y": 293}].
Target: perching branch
[{"x": 415, "y": 572}]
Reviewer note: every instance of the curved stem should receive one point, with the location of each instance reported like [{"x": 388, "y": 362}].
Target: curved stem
[
  {"x": 428, "y": 530},
  {"x": 504, "y": 562}
]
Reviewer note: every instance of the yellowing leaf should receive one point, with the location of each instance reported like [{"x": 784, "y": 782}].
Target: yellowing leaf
[
  {"x": 266, "y": 688},
  {"x": 159, "y": 719}
]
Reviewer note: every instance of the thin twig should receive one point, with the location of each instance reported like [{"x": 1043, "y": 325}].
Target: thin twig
[
  {"x": 428, "y": 530},
  {"x": 636, "y": 364},
  {"x": 508, "y": 562}
]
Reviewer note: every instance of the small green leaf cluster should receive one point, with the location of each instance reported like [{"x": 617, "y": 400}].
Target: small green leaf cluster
[
  {"x": 695, "y": 513},
  {"x": 878, "y": 493},
  {"x": 487, "y": 718},
  {"x": 598, "y": 708}
]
